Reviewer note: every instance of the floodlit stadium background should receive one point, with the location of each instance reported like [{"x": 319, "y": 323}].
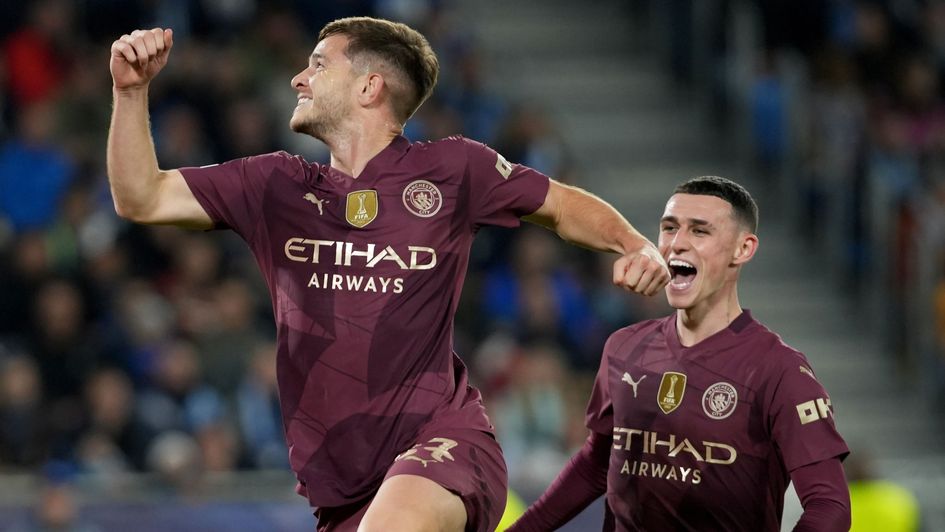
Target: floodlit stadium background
[{"x": 136, "y": 363}]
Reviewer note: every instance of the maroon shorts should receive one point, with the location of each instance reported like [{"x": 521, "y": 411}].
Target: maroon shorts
[{"x": 466, "y": 462}]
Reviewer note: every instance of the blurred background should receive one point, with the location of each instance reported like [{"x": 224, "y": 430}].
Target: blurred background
[{"x": 137, "y": 382}]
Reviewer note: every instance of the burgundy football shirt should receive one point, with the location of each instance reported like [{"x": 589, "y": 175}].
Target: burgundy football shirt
[
  {"x": 365, "y": 275},
  {"x": 705, "y": 437}
]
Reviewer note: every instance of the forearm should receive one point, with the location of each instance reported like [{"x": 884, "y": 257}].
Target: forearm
[
  {"x": 580, "y": 483},
  {"x": 823, "y": 492},
  {"x": 132, "y": 164},
  {"x": 590, "y": 222},
  {"x": 824, "y": 515},
  {"x": 586, "y": 220}
]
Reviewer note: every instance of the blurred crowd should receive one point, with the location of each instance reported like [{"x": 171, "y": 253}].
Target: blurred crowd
[
  {"x": 848, "y": 116},
  {"x": 127, "y": 348}
]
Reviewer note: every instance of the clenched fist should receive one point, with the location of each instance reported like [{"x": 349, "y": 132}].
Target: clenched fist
[
  {"x": 643, "y": 271},
  {"x": 138, "y": 57}
]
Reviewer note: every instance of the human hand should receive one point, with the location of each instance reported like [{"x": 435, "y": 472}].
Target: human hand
[
  {"x": 643, "y": 271},
  {"x": 138, "y": 57}
]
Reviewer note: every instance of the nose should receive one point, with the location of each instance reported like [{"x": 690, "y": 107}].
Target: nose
[
  {"x": 680, "y": 241},
  {"x": 300, "y": 80}
]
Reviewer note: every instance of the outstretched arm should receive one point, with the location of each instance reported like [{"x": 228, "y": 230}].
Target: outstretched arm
[
  {"x": 580, "y": 483},
  {"x": 141, "y": 191},
  {"x": 822, "y": 489},
  {"x": 584, "y": 219}
]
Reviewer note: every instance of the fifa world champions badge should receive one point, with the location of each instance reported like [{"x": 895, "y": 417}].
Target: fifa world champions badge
[
  {"x": 672, "y": 390},
  {"x": 361, "y": 208}
]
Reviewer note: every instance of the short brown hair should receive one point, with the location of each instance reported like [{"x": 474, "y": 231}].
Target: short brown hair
[
  {"x": 743, "y": 205},
  {"x": 398, "y": 46}
]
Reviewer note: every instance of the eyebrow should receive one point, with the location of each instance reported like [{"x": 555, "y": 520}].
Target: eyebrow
[
  {"x": 315, "y": 56},
  {"x": 692, "y": 221}
]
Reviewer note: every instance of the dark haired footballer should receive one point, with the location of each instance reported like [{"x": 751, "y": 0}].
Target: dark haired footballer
[
  {"x": 365, "y": 259},
  {"x": 699, "y": 420}
]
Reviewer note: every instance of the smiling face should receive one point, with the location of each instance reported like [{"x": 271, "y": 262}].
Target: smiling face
[
  {"x": 704, "y": 246},
  {"x": 325, "y": 89}
]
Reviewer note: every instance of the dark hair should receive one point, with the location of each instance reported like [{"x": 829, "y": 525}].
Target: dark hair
[
  {"x": 398, "y": 46},
  {"x": 743, "y": 205}
]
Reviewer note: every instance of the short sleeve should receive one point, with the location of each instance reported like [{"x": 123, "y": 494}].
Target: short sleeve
[
  {"x": 600, "y": 407},
  {"x": 232, "y": 192},
  {"x": 501, "y": 192},
  {"x": 801, "y": 417}
]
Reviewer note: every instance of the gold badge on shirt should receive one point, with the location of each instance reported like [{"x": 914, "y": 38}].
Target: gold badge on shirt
[
  {"x": 672, "y": 389},
  {"x": 361, "y": 208}
]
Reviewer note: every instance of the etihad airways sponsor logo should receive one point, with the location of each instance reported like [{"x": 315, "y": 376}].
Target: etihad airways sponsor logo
[
  {"x": 707, "y": 451},
  {"x": 316, "y": 251},
  {"x": 664, "y": 471},
  {"x": 668, "y": 446},
  {"x": 356, "y": 283}
]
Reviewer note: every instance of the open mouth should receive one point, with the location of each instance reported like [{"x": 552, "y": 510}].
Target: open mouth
[
  {"x": 302, "y": 101},
  {"x": 683, "y": 273}
]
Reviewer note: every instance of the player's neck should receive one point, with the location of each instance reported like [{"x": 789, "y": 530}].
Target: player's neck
[
  {"x": 353, "y": 147},
  {"x": 701, "y": 321}
]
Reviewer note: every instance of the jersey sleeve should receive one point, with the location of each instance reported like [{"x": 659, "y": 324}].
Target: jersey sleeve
[
  {"x": 600, "y": 407},
  {"x": 801, "y": 416},
  {"x": 232, "y": 192},
  {"x": 501, "y": 192}
]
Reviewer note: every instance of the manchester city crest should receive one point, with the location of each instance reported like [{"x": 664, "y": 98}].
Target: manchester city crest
[
  {"x": 422, "y": 198},
  {"x": 719, "y": 400}
]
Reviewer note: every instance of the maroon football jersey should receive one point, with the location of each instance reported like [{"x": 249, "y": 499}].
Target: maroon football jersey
[
  {"x": 705, "y": 437},
  {"x": 365, "y": 275}
]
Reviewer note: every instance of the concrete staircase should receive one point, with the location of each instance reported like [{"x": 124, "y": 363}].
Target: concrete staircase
[{"x": 635, "y": 137}]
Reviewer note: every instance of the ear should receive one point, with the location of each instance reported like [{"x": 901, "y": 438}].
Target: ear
[
  {"x": 745, "y": 248},
  {"x": 371, "y": 89}
]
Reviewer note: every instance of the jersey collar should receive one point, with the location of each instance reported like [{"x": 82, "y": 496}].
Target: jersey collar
[
  {"x": 725, "y": 338},
  {"x": 392, "y": 153}
]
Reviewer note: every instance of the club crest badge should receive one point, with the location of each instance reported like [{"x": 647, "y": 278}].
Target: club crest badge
[
  {"x": 719, "y": 400},
  {"x": 361, "y": 208},
  {"x": 422, "y": 198},
  {"x": 672, "y": 389}
]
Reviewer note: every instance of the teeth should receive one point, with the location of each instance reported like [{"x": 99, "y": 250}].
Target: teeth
[{"x": 678, "y": 262}]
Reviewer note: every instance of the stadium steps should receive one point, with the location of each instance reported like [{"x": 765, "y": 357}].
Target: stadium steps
[{"x": 635, "y": 137}]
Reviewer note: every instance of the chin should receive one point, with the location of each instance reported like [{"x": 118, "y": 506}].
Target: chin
[
  {"x": 680, "y": 301},
  {"x": 297, "y": 124}
]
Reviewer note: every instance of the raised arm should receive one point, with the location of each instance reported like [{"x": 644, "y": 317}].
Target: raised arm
[
  {"x": 584, "y": 219},
  {"x": 141, "y": 191}
]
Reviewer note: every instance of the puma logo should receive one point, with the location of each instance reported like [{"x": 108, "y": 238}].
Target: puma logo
[
  {"x": 629, "y": 380},
  {"x": 318, "y": 202}
]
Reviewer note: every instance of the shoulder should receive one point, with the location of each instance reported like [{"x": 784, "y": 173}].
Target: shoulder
[
  {"x": 280, "y": 164},
  {"x": 633, "y": 334},
  {"x": 779, "y": 358},
  {"x": 775, "y": 346},
  {"x": 454, "y": 145},
  {"x": 281, "y": 160},
  {"x": 449, "y": 152}
]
